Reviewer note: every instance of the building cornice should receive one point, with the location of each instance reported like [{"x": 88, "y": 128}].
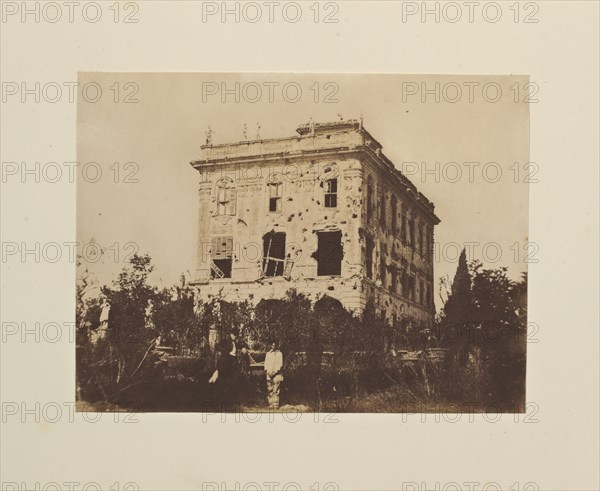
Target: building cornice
[{"x": 369, "y": 148}]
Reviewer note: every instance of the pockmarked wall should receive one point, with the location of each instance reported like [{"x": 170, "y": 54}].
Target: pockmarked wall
[{"x": 323, "y": 212}]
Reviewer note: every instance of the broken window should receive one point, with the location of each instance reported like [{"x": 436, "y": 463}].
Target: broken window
[
  {"x": 394, "y": 215},
  {"x": 382, "y": 213},
  {"x": 221, "y": 256},
  {"x": 369, "y": 198},
  {"x": 405, "y": 285},
  {"x": 403, "y": 229},
  {"x": 421, "y": 239},
  {"x": 273, "y": 253},
  {"x": 331, "y": 193},
  {"x": 428, "y": 241},
  {"x": 394, "y": 285},
  {"x": 275, "y": 194},
  {"x": 421, "y": 292},
  {"x": 225, "y": 197},
  {"x": 329, "y": 253},
  {"x": 411, "y": 232},
  {"x": 369, "y": 257},
  {"x": 382, "y": 269}
]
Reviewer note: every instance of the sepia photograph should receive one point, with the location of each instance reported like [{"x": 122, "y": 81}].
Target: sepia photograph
[
  {"x": 312, "y": 245},
  {"x": 303, "y": 242}
]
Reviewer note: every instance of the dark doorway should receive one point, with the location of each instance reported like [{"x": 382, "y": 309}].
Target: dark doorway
[
  {"x": 329, "y": 253},
  {"x": 273, "y": 253},
  {"x": 221, "y": 269}
]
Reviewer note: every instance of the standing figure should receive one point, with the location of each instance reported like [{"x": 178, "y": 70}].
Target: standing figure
[
  {"x": 273, "y": 371},
  {"x": 226, "y": 375},
  {"x": 243, "y": 356}
]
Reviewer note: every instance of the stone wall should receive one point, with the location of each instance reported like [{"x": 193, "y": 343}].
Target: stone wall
[{"x": 237, "y": 182}]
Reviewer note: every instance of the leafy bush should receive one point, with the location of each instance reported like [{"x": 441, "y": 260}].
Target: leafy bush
[{"x": 332, "y": 358}]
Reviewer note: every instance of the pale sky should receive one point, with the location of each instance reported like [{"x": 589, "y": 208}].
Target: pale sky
[{"x": 163, "y": 131}]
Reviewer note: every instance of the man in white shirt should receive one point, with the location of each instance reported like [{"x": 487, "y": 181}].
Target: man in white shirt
[{"x": 273, "y": 367}]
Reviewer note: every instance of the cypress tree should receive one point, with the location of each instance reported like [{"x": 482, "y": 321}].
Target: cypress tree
[{"x": 457, "y": 312}]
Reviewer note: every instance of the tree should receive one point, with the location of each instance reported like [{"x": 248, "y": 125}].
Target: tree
[
  {"x": 484, "y": 324},
  {"x": 500, "y": 312},
  {"x": 456, "y": 318},
  {"x": 124, "y": 357},
  {"x": 176, "y": 321}
]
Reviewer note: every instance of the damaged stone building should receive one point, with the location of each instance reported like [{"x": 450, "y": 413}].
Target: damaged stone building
[{"x": 324, "y": 212}]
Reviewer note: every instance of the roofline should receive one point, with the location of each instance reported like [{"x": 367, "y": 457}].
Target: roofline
[{"x": 319, "y": 127}]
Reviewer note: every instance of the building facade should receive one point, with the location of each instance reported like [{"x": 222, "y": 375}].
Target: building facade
[{"x": 324, "y": 212}]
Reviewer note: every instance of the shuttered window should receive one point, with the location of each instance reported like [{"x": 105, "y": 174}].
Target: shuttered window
[
  {"x": 222, "y": 247},
  {"x": 221, "y": 257},
  {"x": 225, "y": 197},
  {"x": 275, "y": 196},
  {"x": 331, "y": 186}
]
